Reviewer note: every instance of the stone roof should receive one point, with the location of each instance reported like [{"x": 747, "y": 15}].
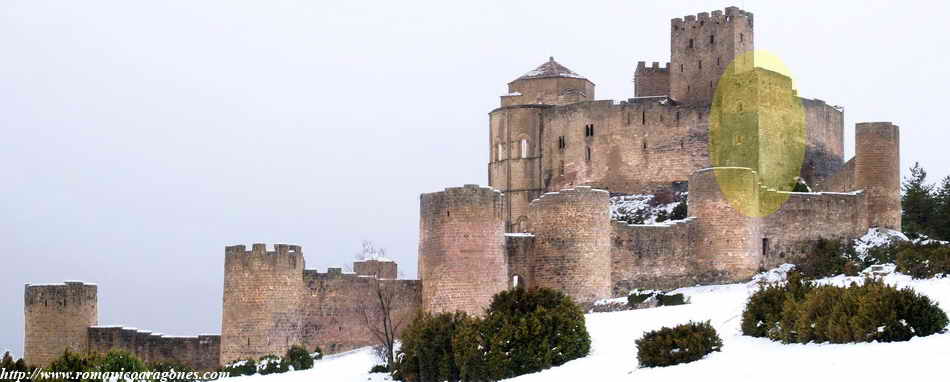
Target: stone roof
[{"x": 550, "y": 68}]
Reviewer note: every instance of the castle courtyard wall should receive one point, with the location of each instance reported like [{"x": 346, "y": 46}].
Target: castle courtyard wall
[
  {"x": 656, "y": 256},
  {"x": 198, "y": 352}
]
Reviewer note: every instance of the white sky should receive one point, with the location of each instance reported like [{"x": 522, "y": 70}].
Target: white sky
[{"x": 137, "y": 139}]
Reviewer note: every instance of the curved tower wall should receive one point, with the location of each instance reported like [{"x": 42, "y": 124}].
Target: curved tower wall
[
  {"x": 515, "y": 162},
  {"x": 57, "y": 318},
  {"x": 462, "y": 258},
  {"x": 572, "y": 243},
  {"x": 262, "y": 301},
  {"x": 877, "y": 171},
  {"x": 728, "y": 243}
]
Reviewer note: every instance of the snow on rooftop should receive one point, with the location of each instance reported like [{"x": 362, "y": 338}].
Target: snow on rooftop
[{"x": 519, "y": 234}]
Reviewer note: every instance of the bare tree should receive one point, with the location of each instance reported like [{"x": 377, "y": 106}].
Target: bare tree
[{"x": 382, "y": 308}]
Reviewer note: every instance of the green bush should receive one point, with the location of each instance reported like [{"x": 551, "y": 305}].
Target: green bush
[
  {"x": 121, "y": 360},
  {"x": 239, "y": 368},
  {"x": 170, "y": 366},
  {"x": 272, "y": 364},
  {"x": 679, "y": 212},
  {"x": 636, "y": 298},
  {"x": 680, "y": 344},
  {"x": 528, "y": 331},
  {"x": 299, "y": 358},
  {"x": 801, "y": 312},
  {"x": 75, "y": 362},
  {"x": 379, "y": 369},
  {"x": 923, "y": 261},
  {"x": 426, "y": 353},
  {"x": 671, "y": 299},
  {"x": 828, "y": 258},
  {"x": 7, "y": 363}
]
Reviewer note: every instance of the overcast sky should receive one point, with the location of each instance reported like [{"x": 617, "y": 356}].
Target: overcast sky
[{"x": 137, "y": 139}]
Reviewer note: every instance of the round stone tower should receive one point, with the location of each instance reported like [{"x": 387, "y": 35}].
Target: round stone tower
[
  {"x": 462, "y": 258},
  {"x": 877, "y": 171},
  {"x": 263, "y": 292},
  {"x": 57, "y": 318},
  {"x": 572, "y": 243},
  {"x": 728, "y": 243}
]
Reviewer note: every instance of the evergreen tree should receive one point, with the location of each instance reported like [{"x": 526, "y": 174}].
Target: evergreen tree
[
  {"x": 918, "y": 202},
  {"x": 7, "y": 362},
  {"x": 941, "y": 229}
]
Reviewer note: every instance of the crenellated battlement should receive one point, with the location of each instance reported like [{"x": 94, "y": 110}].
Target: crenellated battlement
[
  {"x": 260, "y": 249},
  {"x": 655, "y": 67},
  {"x": 730, "y": 15}
]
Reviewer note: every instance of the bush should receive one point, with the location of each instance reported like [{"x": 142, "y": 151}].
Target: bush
[
  {"x": 679, "y": 212},
  {"x": 680, "y": 344},
  {"x": 317, "y": 353},
  {"x": 170, "y": 366},
  {"x": 923, "y": 261},
  {"x": 801, "y": 312},
  {"x": 272, "y": 364},
  {"x": 426, "y": 353},
  {"x": 243, "y": 367},
  {"x": 121, "y": 360},
  {"x": 529, "y": 331},
  {"x": 829, "y": 258},
  {"x": 299, "y": 358},
  {"x": 379, "y": 369},
  {"x": 636, "y": 298},
  {"x": 671, "y": 299},
  {"x": 75, "y": 362}
]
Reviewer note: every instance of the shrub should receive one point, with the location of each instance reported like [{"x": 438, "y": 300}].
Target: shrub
[
  {"x": 379, "y": 369},
  {"x": 243, "y": 367},
  {"x": 829, "y": 258},
  {"x": 317, "y": 353},
  {"x": 679, "y": 212},
  {"x": 613, "y": 306},
  {"x": 923, "y": 261},
  {"x": 671, "y": 299},
  {"x": 75, "y": 362},
  {"x": 272, "y": 364},
  {"x": 800, "y": 312},
  {"x": 636, "y": 298},
  {"x": 7, "y": 363},
  {"x": 299, "y": 358},
  {"x": 169, "y": 366},
  {"x": 426, "y": 353},
  {"x": 680, "y": 344},
  {"x": 528, "y": 331},
  {"x": 121, "y": 360}
]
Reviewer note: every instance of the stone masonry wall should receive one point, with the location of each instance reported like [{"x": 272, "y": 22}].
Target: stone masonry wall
[
  {"x": 652, "y": 81},
  {"x": 877, "y": 172},
  {"x": 462, "y": 259},
  {"x": 701, "y": 48},
  {"x": 572, "y": 243},
  {"x": 658, "y": 256},
  {"x": 384, "y": 269},
  {"x": 824, "y": 140},
  {"x": 57, "y": 316},
  {"x": 520, "y": 249},
  {"x": 262, "y": 301},
  {"x": 792, "y": 231},
  {"x": 200, "y": 352},
  {"x": 334, "y": 304}
]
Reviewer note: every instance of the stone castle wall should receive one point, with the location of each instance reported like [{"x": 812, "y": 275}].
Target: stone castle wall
[
  {"x": 658, "y": 256},
  {"x": 651, "y": 81},
  {"x": 336, "y": 305},
  {"x": 572, "y": 243},
  {"x": 462, "y": 259},
  {"x": 263, "y": 291},
  {"x": 701, "y": 48},
  {"x": 199, "y": 352},
  {"x": 57, "y": 316},
  {"x": 877, "y": 172}
]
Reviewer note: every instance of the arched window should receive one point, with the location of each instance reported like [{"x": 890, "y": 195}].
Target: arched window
[
  {"x": 524, "y": 148},
  {"x": 516, "y": 282}
]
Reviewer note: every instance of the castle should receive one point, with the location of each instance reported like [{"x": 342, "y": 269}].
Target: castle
[{"x": 556, "y": 156}]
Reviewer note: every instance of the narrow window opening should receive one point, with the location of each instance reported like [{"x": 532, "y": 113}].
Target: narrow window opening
[
  {"x": 448, "y": 213},
  {"x": 643, "y": 118},
  {"x": 515, "y": 281},
  {"x": 681, "y": 143},
  {"x": 681, "y": 68},
  {"x": 249, "y": 341},
  {"x": 644, "y": 144},
  {"x": 712, "y": 39},
  {"x": 592, "y": 129},
  {"x": 717, "y": 60},
  {"x": 562, "y": 168},
  {"x": 690, "y": 45},
  {"x": 677, "y": 116},
  {"x": 738, "y": 139},
  {"x": 765, "y": 246},
  {"x": 710, "y": 84},
  {"x": 687, "y": 88},
  {"x": 524, "y": 148},
  {"x": 588, "y": 153},
  {"x": 741, "y": 37},
  {"x": 700, "y": 64}
]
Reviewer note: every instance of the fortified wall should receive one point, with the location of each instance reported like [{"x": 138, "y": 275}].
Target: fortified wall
[{"x": 271, "y": 302}]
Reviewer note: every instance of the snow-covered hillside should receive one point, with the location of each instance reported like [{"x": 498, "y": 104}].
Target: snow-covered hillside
[{"x": 613, "y": 354}]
